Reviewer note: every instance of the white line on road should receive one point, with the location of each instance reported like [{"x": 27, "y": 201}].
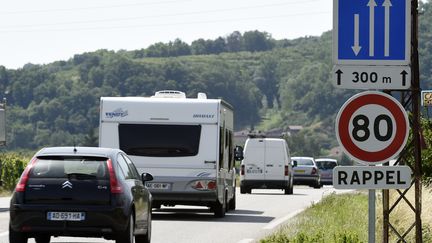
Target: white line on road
[
  {"x": 273, "y": 224},
  {"x": 246, "y": 241},
  {"x": 4, "y": 233}
]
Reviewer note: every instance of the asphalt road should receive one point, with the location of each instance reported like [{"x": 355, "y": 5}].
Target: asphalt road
[{"x": 256, "y": 215}]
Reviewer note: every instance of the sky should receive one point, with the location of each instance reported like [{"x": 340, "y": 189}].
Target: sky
[{"x": 45, "y": 31}]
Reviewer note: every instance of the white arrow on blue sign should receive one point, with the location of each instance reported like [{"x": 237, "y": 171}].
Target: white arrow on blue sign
[{"x": 372, "y": 32}]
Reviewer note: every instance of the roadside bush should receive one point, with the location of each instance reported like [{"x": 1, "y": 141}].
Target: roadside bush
[{"x": 11, "y": 165}]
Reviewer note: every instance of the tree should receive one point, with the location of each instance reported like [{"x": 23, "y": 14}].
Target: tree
[
  {"x": 234, "y": 42},
  {"x": 257, "y": 41}
]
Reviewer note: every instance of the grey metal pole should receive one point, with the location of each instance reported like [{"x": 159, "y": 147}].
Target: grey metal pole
[{"x": 372, "y": 216}]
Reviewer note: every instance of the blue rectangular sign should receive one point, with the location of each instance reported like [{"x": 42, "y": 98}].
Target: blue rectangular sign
[{"x": 372, "y": 32}]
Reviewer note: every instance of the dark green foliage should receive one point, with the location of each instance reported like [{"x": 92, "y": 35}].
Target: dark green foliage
[{"x": 426, "y": 153}]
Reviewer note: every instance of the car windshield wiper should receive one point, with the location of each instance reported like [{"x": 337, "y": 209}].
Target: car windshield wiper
[{"x": 81, "y": 176}]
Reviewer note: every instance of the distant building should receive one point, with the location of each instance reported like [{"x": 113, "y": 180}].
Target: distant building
[{"x": 293, "y": 129}]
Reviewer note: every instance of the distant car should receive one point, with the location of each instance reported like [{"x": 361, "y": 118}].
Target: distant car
[
  {"x": 306, "y": 172},
  {"x": 81, "y": 192},
  {"x": 325, "y": 166}
]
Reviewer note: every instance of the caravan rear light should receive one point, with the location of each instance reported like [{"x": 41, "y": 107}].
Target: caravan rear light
[
  {"x": 242, "y": 170},
  {"x": 204, "y": 185},
  {"x": 20, "y": 187},
  {"x": 211, "y": 185},
  {"x": 286, "y": 170},
  {"x": 114, "y": 183}
]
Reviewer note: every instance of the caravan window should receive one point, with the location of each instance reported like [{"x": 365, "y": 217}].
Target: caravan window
[{"x": 159, "y": 140}]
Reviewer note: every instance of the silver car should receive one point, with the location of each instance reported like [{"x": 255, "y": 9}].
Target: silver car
[
  {"x": 306, "y": 172},
  {"x": 325, "y": 166}
]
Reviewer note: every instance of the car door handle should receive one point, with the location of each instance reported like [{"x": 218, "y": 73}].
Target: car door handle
[
  {"x": 209, "y": 162},
  {"x": 270, "y": 165}
]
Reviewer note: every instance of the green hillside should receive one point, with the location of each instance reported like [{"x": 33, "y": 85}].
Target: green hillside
[{"x": 271, "y": 84}]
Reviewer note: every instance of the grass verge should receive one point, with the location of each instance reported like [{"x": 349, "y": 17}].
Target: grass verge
[
  {"x": 343, "y": 218},
  {"x": 337, "y": 218}
]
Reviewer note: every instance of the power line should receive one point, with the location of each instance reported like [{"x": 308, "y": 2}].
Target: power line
[
  {"x": 90, "y": 8},
  {"x": 165, "y": 15},
  {"x": 161, "y": 25},
  {"x": 95, "y": 7}
]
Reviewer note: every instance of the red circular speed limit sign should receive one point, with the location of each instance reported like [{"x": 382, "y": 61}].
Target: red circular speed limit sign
[{"x": 372, "y": 127}]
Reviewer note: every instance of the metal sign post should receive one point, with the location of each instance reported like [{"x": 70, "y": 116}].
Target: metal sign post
[{"x": 372, "y": 216}]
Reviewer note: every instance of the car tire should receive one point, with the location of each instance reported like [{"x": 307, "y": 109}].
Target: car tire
[
  {"x": 16, "y": 237},
  {"x": 43, "y": 239},
  {"x": 290, "y": 189},
  {"x": 219, "y": 209},
  {"x": 317, "y": 185},
  {"x": 146, "y": 238},
  {"x": 127, "y": 235},
  {"x": 232, "y": 202}
]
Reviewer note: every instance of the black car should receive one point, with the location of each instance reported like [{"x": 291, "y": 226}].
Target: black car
[{"x": 81, "y": 192}]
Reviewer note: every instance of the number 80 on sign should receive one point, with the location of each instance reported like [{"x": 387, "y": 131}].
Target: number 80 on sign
[{"x": 372, "y": 127}]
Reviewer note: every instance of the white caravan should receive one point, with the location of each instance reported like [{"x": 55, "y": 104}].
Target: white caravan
[
  {"x": 185, "y": 143},
  {"x": 266, "y": 164}
]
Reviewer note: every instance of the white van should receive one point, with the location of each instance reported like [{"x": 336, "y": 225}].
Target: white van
[
  {"x": 266, "y": 164},
  {"x": 185, "y": 143}
]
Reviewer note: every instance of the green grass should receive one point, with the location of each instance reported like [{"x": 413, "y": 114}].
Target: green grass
[
  {"x": 337, "y": 218},
  {"x": 5, "y": 193}
]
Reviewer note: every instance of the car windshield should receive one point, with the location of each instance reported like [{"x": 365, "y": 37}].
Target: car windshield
[
  {"x": 76, "y": 167},
  {"x": 326, "y": 165},
  {"x": 304, "y": 161}
]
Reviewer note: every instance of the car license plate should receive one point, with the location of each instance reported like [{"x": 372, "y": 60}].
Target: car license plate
[
  {"x": 158, "y": 186},
  {"x": 254, "y": 171},
  {"x": 66, "y": 216},
  {"x": 300, "y": 171}
]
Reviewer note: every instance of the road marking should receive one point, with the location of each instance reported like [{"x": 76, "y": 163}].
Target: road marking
[
  {"x": 273, "y": 224},
  {"x": 4, "y": 233},
  {"x": 246, "y": 241}
]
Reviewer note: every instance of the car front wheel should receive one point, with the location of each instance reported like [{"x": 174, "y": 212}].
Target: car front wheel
[{"x": 147, "y": 237}]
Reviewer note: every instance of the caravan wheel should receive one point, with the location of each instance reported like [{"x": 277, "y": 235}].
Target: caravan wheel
[
  {"x": 232, "y": 202},
  {"x": 219, "y": 209}
]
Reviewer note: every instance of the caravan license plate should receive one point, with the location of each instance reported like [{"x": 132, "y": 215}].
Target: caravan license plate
[
  {"x": 158, "y": 186},
  {"x": 66, "y": 216}
]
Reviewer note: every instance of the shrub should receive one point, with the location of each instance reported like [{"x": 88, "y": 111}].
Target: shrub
[{"x": 11, "y": 167}]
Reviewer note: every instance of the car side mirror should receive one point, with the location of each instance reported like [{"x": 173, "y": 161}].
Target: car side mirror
[
  {"x": 146, "y": 177},
  {"x": 238, "y": 153},
  {"x": 294, "y": 163}
]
